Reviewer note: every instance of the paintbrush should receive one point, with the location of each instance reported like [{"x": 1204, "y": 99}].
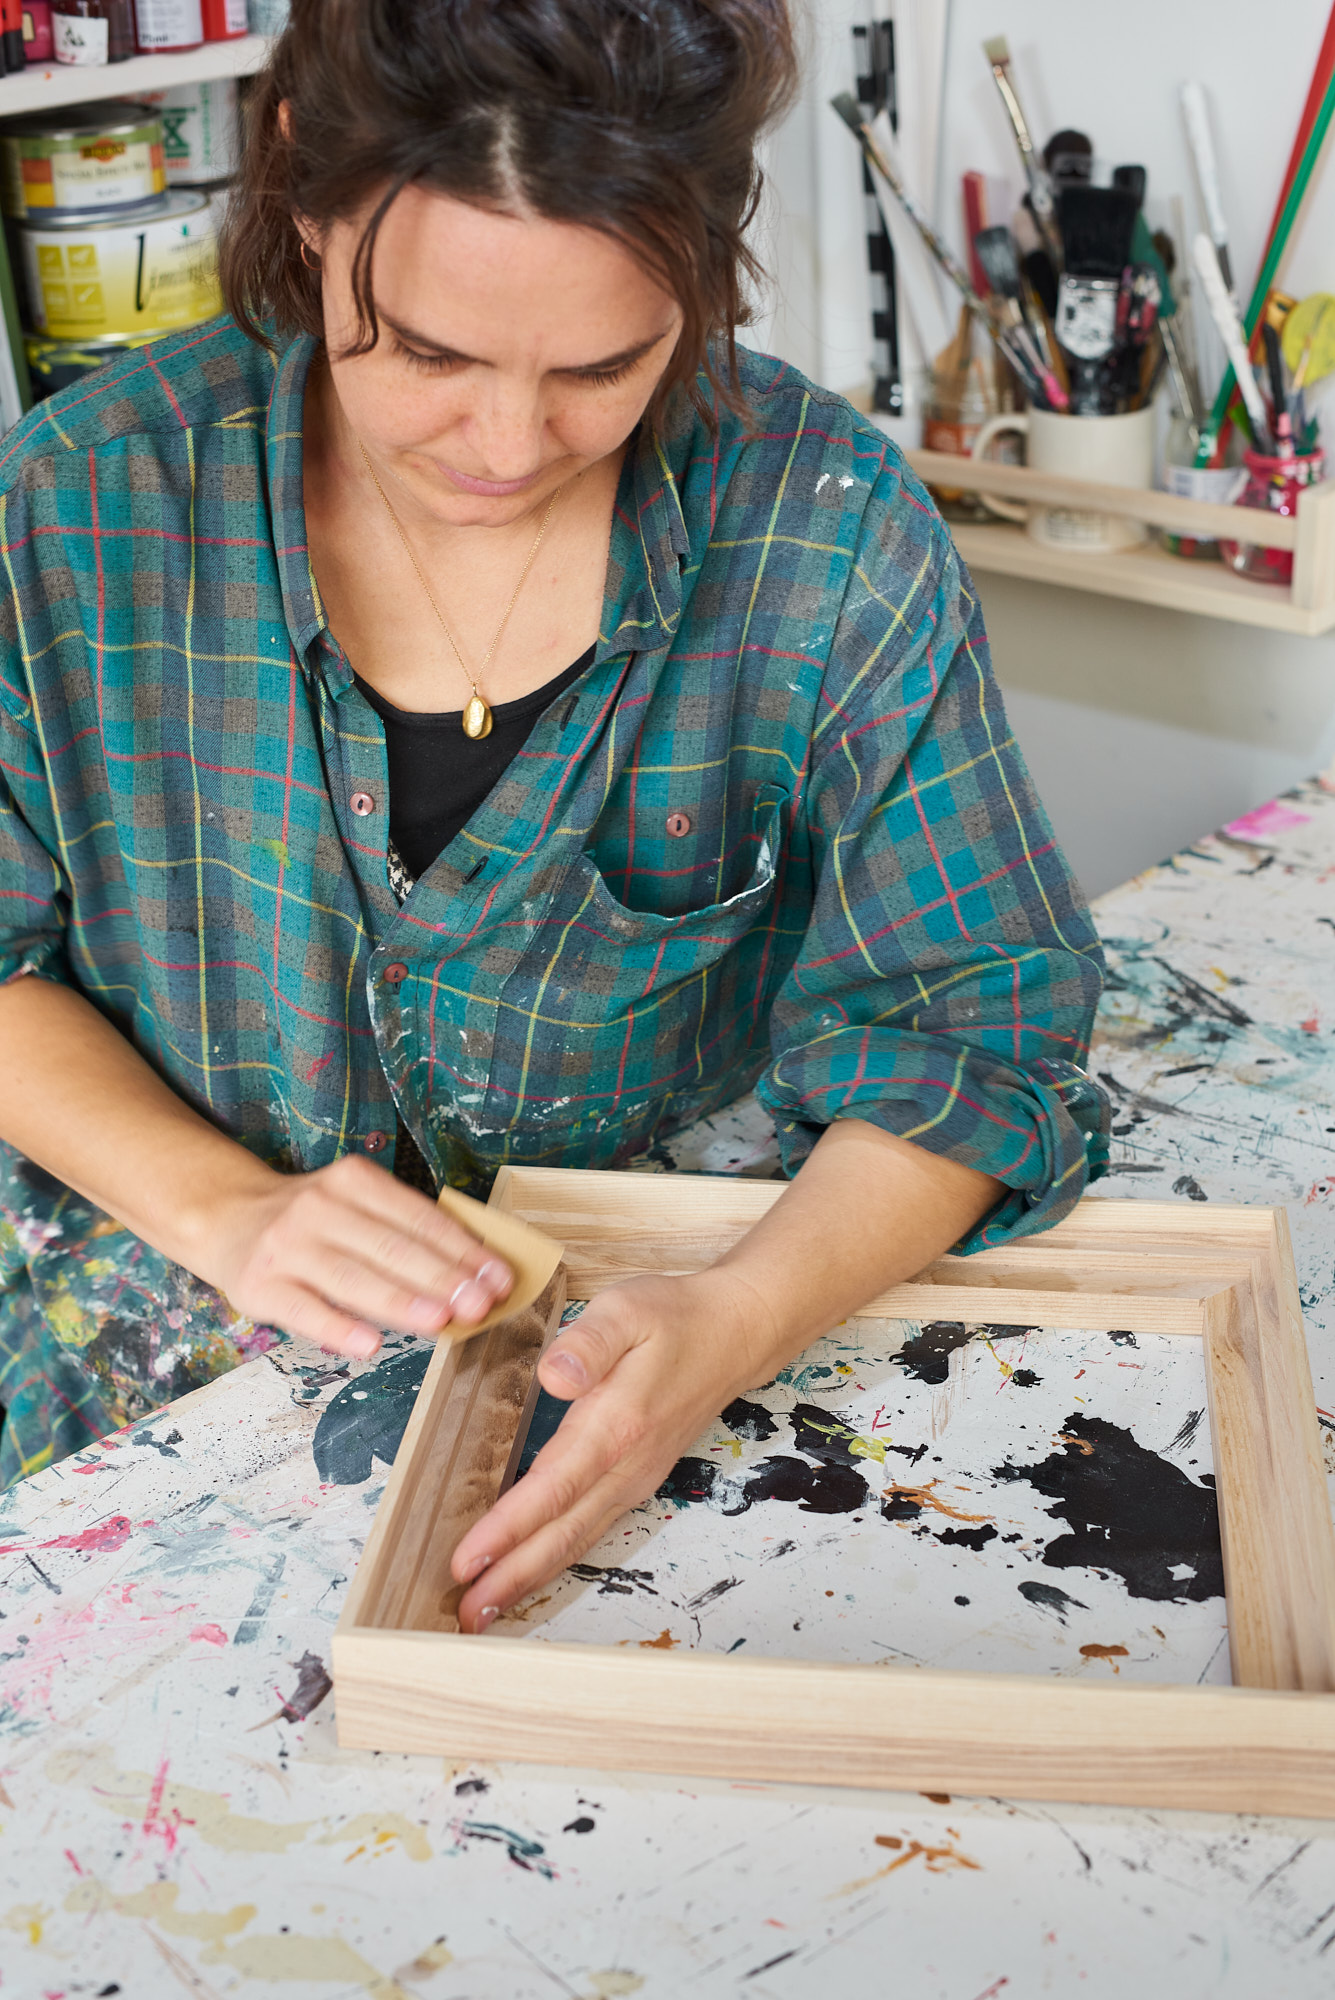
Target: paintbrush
[
  {"x": 1069, "y": 157},
  {"x": 1224, "y": 311},
  {"x": 1281, "y": 425},
  {"x": 1195, "y": 112},
  {"x": 1000, "y": 260},
  {"x": 1096, "y": 226},
  {"x": 884, "y": 173},
  {"x": 1041, "y": 196}
]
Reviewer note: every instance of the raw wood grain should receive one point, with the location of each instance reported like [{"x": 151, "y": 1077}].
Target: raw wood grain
[
  {"x": 405, "y": 1682},
  {"x": 450, "y": 1469},
  {"x": 901, "y": 1728}
]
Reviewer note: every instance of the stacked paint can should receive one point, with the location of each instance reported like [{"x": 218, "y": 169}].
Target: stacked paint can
[{"x": 113, "y": 209}]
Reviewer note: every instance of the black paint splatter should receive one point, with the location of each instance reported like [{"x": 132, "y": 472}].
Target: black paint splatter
[
  {"x": 1188, "y": 1430},
  {"x": 614, "y": 1582},
  {"x": 1130, "y": 1511},
  {"x": 1192, "y": 1189},
  {"x": 313, "y": 1684},
  {"x": 751, "y": 1421},
  {"x": 1024, "y": 1378},
  {"x": 814, "y": 1489},
  {"x": 144, "y": 1435},
  {"x": 1123, "y": 1339},
  {"x": 969, "y": 1538},
  {"x": 926, "y": 1354},
  {"x": 581, "y": 1825},
  {"x": 367, "y": 1418},
  {"x": 900, "y": 1507},
  {"x": 822, "y": 1435},
  {"x": 1047, "y": 1597}
]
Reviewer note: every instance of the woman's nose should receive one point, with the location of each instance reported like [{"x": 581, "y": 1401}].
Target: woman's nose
[{"x": 506, "y": 429}]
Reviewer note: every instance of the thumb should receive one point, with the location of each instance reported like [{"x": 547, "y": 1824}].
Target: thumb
[{"x": 587, "y": 1350}]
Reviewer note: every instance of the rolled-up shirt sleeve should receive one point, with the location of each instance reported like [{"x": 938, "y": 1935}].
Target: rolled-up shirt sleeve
[
  {"x": 946, "y": 985},
  {"x": 34, "y": 892}
]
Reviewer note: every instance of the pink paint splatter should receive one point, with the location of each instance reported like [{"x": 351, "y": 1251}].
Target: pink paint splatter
[
  {"x": 1310, "y": 1027},
  {"x": 1273, "y": 817},
  {"x": 157, "y": 1824},
  {"x": 321, "y": 1062},
  {"x": 213, "y": 1633},
  {"x": 104, "y": 1539}
]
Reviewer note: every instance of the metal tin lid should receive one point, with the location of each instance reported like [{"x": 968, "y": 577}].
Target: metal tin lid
[
  {"x": 158, "y": 208},
  {"x": 76, "y": 121}
]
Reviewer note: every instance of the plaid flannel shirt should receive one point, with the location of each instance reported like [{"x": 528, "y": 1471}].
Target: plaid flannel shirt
[{"x": 778, "y": 833}]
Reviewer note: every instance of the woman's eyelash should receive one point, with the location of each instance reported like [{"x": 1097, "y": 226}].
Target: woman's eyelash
[
  {"x": 441, "y": 364},
  {"x": 603, "y": 378}
]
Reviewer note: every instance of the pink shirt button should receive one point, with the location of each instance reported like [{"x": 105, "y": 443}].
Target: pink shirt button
[
  {"x": 362, "y": 803},
  {"x": 374, "y": 1142},
  {"x": 678, "y": 824}
]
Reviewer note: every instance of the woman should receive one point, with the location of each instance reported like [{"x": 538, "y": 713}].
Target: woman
[{"x": 458, "y": 709}]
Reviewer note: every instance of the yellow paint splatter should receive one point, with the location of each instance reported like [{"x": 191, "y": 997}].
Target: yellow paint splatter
[
  {"x": 126, "y": 1793},
  {"x": 158, "y": 1903},
  {"x": 100, "y": 1267},
  {"x": 431, "y": 1960},
  {"x": 29, "y": 1917},
  {"x": 291, "y": 1956},
  {"x": 936, "y": 1860},
  {"x": 613, "y": 1985},
  {"x": 378, "y": 1833}
]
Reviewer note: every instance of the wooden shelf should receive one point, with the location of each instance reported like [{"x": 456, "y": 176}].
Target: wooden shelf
[
  {"x": 1147, "y": 575},
  {"x": 45, "y": 86}
]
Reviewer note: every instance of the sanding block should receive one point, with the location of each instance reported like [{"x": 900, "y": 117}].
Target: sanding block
[{"x": 531, "y": 1255}]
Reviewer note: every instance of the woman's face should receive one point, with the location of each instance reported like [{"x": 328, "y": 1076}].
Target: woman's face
[{"x": 513, "y": 352}]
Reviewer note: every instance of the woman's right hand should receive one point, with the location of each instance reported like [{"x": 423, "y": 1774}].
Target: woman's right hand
[{"x": 336, "y": 1255}]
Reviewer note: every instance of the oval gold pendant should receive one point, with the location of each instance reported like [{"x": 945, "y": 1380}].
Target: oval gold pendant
[{"x": 477, "y": 719}]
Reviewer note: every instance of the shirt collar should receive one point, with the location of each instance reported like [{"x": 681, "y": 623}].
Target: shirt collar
[{"x": 650, "y": 540}]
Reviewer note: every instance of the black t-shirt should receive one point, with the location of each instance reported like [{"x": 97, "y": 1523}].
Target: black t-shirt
[{"x": 438, "y": 777}]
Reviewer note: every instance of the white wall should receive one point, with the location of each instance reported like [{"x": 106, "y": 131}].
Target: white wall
[{"x": 1143, "y": 728}]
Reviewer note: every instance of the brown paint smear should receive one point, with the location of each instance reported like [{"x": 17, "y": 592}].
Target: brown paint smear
[
  {"x": 1110, "y": 1653},
  {"x": 922, "y": 1496}
]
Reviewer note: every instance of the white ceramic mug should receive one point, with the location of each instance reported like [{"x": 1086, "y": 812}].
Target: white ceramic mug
[{"x": 1113, "y": 451}]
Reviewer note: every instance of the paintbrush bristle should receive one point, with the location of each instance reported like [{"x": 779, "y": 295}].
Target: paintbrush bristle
[
  {"x": 850, "y": 111},
  {"x": 998, "y": 257},
  {"x": 997, "y": 51}
]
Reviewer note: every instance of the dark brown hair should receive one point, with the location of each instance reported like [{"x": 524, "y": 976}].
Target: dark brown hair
[{"x": 635, "y": 117}]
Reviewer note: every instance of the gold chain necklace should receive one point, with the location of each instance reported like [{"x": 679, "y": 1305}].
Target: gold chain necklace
[{"x": 477, "y": 714}]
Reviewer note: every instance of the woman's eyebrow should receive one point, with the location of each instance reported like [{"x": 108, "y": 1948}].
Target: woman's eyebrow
[{"x": 611, "y": 362}]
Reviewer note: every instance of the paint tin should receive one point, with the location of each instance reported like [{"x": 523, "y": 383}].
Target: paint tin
[
  {"x": 93, "y": 156},
  {"x": 199, "y": 131},
  {"x": 147, "y": 271},
  {"x": 54, "y": 364}
]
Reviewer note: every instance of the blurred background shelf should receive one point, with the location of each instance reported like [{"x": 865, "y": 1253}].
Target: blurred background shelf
[
  {"x": 47, "y": 85},
  {"x": 1147, "y": 575}
]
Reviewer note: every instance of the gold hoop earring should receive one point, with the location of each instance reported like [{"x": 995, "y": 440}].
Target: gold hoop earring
[{"x": 305, "y": 246}]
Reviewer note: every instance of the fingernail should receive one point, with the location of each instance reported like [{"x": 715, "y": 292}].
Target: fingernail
[
  {"x": 364, "y": 1345},
  {"x": 470, "y": 1301},
  {"x": 475, "y": 1568},
  {"x": 487, "y": 1616},
  {"x": 570, "y": 1366},
  {"x": 498, "y": 1278}
]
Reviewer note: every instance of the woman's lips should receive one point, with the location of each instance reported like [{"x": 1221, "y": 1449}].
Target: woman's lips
[{"x": 489, "y": 489}]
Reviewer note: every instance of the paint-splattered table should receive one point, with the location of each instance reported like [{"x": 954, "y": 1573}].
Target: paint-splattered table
[{"x": 177, "y": 1815}]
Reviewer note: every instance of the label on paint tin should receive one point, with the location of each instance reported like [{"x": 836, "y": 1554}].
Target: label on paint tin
[
  {"x": 83, "y": 42},
  {"x": 169, "y": 24},
  {"x": 199, "y": 130},
  {"x": 63, "y": 171},
  {"x": 128, "y": 278}
]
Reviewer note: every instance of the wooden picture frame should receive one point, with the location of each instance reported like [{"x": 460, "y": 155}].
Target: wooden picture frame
[{"x": 406, "y": 1679}]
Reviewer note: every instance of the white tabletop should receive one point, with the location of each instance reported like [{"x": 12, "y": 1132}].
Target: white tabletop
[{"x": 176, "y": 1812}]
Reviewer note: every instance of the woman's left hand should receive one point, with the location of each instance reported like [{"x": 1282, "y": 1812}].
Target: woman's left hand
[{"x": 647, "y": 1367}]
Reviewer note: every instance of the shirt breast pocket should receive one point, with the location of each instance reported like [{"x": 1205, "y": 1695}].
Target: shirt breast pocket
[{"x": 610, "y": 1018}]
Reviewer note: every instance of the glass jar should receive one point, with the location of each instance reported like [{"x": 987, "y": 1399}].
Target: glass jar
[
  {"x": 1272, "y": 484},
  {"x": 957, "y": 410},
  {"x": 1220, "y": 484}
]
